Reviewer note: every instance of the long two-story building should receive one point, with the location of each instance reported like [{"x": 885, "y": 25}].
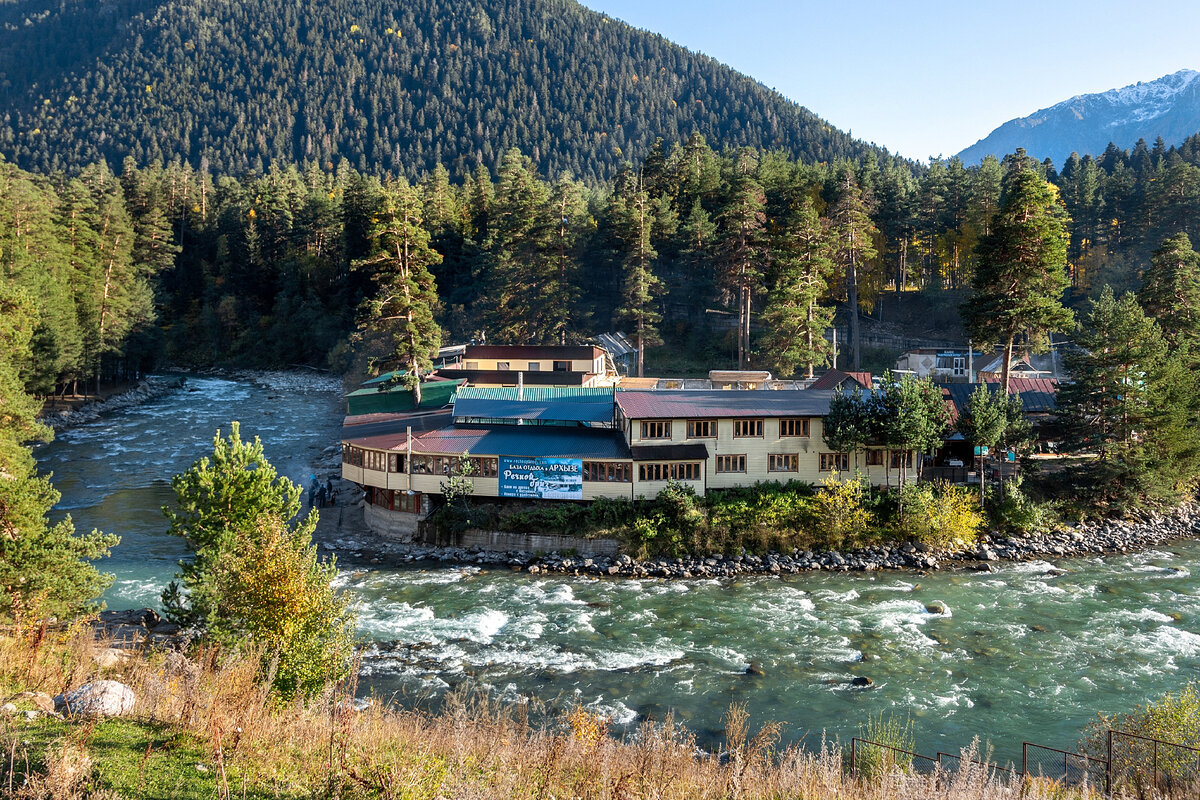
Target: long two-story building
[{"x": 583, "y": 444}]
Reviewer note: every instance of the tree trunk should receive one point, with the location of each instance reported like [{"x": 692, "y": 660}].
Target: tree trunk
[{"x": 1006, "y": 367}]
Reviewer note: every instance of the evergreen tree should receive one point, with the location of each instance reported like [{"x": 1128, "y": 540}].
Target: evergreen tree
[
  {"x": 1171, "y": 291},
  {"x": 1022, "y": 270},
  {"x": 850, "y": 424},
  {"x": 853, "y": 248},
  {"x": 642, "y": 288},
  {"x": 742, "y": 245},
  {"x": 801, "y": 270},
  {"x": 406, "y": 298},
  {"x": 45, "y": 568}
]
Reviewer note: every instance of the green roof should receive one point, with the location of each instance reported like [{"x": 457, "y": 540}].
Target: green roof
[
  {"x": 537, "y": 394},
  {"x": 434, "y": 394}
]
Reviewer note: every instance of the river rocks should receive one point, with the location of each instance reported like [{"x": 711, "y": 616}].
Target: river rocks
[
  {"x": 755, "y": 669},
  {"x": 936, "y": 607},
  {"x": 1112, "y": 536},
  {"x": 861, "y": 680},
  {"x": 97, "y": 699},
  {"x": 135, "y": 627},
  {"x": 148, "y": 389}
]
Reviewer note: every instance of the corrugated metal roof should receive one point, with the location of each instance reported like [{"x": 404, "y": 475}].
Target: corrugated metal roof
[
  {"x": 835, "y": 377},
  {"x": 531, "y": 440},
  {"x": 390, "y": 431},
  {"x": 1037, "y": 394},
  {"x": 503, "y": 377},
  {"x": 538, "y": 394},
  {"x": 724, "y": 403},
  {"x": 549, "y": 410}
]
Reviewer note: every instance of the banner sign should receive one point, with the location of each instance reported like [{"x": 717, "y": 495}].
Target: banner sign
[{"x": 541, "y": 478}]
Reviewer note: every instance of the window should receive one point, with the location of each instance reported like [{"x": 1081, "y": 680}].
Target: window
[
  {"x": 393, "y": 500},
  {"x": 485, "y": 467},
  {"x": 793, "y": 426},
  {"x": 874, "y": 458},
  {"x": 535, "y": 366},
  {"x": 899, "y": 456},
  {"x": 783, "y": 462},
  {"x": 702, "y": 429},
  {"x": 396, "y": 462},
  {"x": 353, "y": 456},
  {"x": 376, "y": 460},
  {"x": 502, "y": 366},
  {"x": 747, "y": 428},
  {"x": 562, "y": 366},
  {"x": 607, "y": 472},
  {"x": 472, "y": 365},
  {"x": 656, "y": 430},
  {"x": 960, "y": 366},
  {"x": 731, "y": 463},
  {"x": 835, "y": 462},
  {"x": 683, "y": 471},
  {"x": 434, "y": 465}
]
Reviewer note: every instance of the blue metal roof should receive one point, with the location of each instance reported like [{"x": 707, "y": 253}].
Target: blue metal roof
[
  {"x": 524, "y": 440},
  {"x": 550, "y": 411}
]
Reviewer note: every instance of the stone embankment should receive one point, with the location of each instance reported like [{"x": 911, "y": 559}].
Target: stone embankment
[{"x": 1089, "y": 539}]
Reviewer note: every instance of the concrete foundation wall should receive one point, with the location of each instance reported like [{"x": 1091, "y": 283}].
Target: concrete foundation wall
[{"x": 397, "y": 526}]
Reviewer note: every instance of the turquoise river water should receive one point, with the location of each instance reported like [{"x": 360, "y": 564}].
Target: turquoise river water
[{"x": 1030, "y": 652}]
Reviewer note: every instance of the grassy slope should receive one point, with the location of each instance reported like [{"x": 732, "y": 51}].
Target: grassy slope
[{"x": 205, "y": 728}]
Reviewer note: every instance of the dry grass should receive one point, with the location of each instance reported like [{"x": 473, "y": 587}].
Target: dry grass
[{"x": 215, "y": 709}]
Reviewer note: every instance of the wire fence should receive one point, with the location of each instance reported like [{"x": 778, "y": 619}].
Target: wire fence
[
  {"x": 1136, "y": 766},
  {"x": 1142, "y": 766}
]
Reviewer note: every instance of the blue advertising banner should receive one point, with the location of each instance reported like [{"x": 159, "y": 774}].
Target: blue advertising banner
[{"x": 541, "y": 478}]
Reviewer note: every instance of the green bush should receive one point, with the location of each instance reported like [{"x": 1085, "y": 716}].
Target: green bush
[
  {"x": 940, "y": 515},
  {"x": 892, "y": 739},
  {"x": 839, "y": 517},
  {"x": 1011, "y": 509},
  {"x": 1173, "y": 718}
]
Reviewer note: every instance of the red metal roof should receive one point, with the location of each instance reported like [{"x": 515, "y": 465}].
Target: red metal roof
[
  {"x": 724, "y": 403},
  {"x": 835, "y": 377}
]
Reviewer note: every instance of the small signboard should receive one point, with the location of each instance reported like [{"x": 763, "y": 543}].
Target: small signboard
[
  {"x": 1011, "y": 456},
  {"x": 981, "y": 450},
  {"x": 541, "y": 478}
]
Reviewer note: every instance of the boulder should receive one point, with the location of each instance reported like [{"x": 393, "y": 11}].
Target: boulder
[
  {"x": 97, "y": 699},
  {"x": 755, "y": 669},
  {"x": 935, "y": 607},
  {"x": 861, "y": 680}
]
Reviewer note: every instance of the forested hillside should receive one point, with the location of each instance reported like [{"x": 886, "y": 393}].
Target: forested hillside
[
  {"x": 385, "y": 86},
  {"x": 720, "y": 254}
]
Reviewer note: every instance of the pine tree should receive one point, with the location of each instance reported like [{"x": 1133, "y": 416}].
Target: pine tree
[
  {"x": 1022, "y": 270},
  {"x": 853, "y": 242},
  {"x": 742, "y": 245},
  {"x": 641, "y": 288},
  {"x": 1171, "y": 291},
  {"x": 801, "y": 271},
  {"x": 45, "y": 568},
  {"x": 406, "y": 298}
]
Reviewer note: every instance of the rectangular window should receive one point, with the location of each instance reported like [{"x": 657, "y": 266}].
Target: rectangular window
[
  {"x": 899, "y": 456},
  {"x": 535, "y": 366},
  {"x": 835, "y": 462},
  {"x": 502, "y": 366},
  {"x": 682, "y": 471},
  {"x": 472, "y": 365},
  {"x": 874, "y": 458},
  {"x": 352, "y": 455},
  {"x": 484, "y": 467},
  {"x": 656, "y": 430},
  {"x": 793, "y": 426},
  {"x": 607, "y": 472},
  {"x": 396, "y": 462},
  {"x": 731, "y": 463},
  {"x": 783, "y": 462},
  {"x": 701, "y": 429},
  {"x": 747, "y": 428},
  {"x": 562, "y": 366}
]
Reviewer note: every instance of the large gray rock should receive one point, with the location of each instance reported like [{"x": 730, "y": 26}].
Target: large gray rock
[{"x": 97, "y": 699}]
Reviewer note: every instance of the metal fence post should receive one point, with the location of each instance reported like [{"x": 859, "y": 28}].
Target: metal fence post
[
  {"x": 1154, "y": 775},
  {"x": 1025, "y": 759},
  {"x": 853, "y": 758},
  {"x": 1108, "y": 767}
]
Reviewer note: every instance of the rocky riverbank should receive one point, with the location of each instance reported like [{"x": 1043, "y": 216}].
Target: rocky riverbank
[
  {"x": 148, "y": 388},
  {"x": 1098, "y": 538}
]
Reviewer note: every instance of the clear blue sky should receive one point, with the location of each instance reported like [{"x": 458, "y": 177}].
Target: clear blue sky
[{"x": 929, "y": 78}]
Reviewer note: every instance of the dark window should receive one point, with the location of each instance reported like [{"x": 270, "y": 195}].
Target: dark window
[
  {"x": 793, "y": 427},
  {"x": 562, "y": 366},
  {"x": 656, "y": 430},
  {"x": 783, "y": 462},
  {"x": 747, "y": 428},
  {"x": 835, "y": 462},
  {"x": 701, "y": 428},
  {"x": 731, "y": 463}
]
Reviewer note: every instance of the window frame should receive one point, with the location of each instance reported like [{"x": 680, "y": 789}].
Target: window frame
[
  {"x": 803, "y": 423},
  {"x": 661, "y": 425},
  {"x": 755, "y": 423},
  {"x": 792, "y": 461},
  {"x": 830, "y": 462},
  {"x": 693, "y": 425},
  {"x": 731, "y": 464}
]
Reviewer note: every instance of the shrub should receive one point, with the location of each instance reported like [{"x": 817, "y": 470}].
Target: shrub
[
  {"x": 891, "y": 739},
  {"x": 1011, "y": 509},
  {"x": 940, "y": 515},
  {"x": 839, "y": 517},
  {"x": 256, "y": 579},
  {"x": 1173, "y": 718}
]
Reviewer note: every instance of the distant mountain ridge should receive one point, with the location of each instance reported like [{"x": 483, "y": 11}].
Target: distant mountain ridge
[
  {"x": 1168, "y": 107},
  {"x": 383, "y": 85}
]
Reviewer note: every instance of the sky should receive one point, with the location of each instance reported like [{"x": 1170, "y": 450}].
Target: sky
[{"x": 928, "y": 78}]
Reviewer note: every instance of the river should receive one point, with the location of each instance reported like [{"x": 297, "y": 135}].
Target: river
[{"x": 1030, "y": 652}]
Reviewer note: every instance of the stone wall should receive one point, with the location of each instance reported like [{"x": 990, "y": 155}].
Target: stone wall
[{"x": 398, "y": 526}]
